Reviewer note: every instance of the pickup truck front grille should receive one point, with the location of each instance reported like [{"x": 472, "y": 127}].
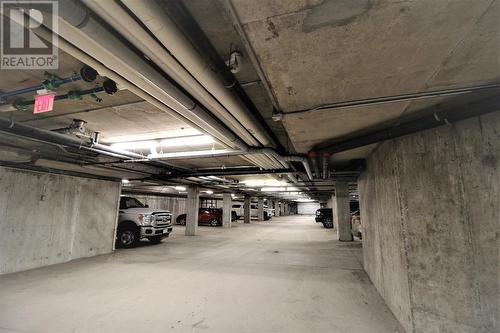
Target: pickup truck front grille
[{"x": 162, "y": 219}]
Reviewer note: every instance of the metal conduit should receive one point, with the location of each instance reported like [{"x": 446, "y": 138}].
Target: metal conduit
[{"x": 53, "y": 83}]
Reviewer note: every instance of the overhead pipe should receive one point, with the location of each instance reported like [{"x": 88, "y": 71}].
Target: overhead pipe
[
  {"x": 77, "y": 24},
  {"x": 118, "y": 18},
  {"x": 286, "y": 158},
  {"x": 47, "y": 84},
  {"x": 226, "y": 152},
  {"x": 231, "y": 172},
  {"x": 122, "y": 82},
  {"x": 325, "y": 157},
  {"x": 250, "y": 52},
  {"x": 434, "y": 118},
  {"x": 73, "y": 51},
  {"x": 165, "y": 30},
  {"x": 397, "y": 98}
]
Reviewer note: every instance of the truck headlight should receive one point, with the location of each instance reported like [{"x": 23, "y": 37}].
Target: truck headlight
[{"x": 145, "y": 219}]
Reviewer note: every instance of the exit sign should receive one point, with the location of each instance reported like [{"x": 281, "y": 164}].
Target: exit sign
[{"x": 43, "y": 103}]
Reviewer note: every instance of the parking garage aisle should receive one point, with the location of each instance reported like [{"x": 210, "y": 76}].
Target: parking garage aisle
[{"x": 285, "y": 275}]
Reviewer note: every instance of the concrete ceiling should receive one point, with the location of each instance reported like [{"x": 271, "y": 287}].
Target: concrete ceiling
[
  {"x": 311, "y": 52},
  {"x": 318, "y": 52}
]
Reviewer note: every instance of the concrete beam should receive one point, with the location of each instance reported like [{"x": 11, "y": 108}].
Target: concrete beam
[
  {"x": 227, "y": 203},
  {"x": 246, "y": 210},
  {"x": 260, "y": 209},
  {"x": 192, "y": 206},
  {"x": 341, "y": 211}
]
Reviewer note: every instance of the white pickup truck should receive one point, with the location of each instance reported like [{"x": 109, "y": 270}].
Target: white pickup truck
[
  {"x": 238, "y": 208},
  {"x": 137, "y": 221}
]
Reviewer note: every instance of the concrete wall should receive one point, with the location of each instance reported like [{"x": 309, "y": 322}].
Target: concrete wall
[
  {"x": 175, "y": 205},
  {"x": 47, "y": 219},
  {"x": 430, "y": 207},
  {"x": 307, "y": 208}
]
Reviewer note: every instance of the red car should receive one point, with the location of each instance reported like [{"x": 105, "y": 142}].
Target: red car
[{"x": 206, "y": 216}]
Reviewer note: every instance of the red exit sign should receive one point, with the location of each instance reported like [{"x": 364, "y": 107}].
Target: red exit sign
[{"x": 43, "y": 103}]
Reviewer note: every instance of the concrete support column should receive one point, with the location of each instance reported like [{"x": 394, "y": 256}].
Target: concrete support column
[
  {"x": 276, "y": 207},
  {"x": 341, "y": 211},
  {"x": 246, "y": 210},
  {"x": 227, "y": 202},
  {"x": 286, "y": 212},
  {"x": 192, "y": 206},
  {"x": 260, "y": 209}
]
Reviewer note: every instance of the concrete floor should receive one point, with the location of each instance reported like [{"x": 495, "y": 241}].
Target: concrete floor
[{"x": 285, "y": 275}]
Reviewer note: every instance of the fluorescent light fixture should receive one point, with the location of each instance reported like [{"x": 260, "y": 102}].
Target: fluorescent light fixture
[
  {"x": 193, "y": 153},
  {"x": 125, "y": 181},
  {"x": 135, "y": 145},
  {"x": 196, "y": 140},
  {"x": 209, "y": 192},
  {"x": 180, "y": 188},
  {"x": 263, "y": 182},
  {"x": 154, "y": 135},
  {"x": 304, "y": 200},
  {"x": 280, "y": 189},
  {"x": 273, "y": 189},
  {"x": 183, "y": 141}
]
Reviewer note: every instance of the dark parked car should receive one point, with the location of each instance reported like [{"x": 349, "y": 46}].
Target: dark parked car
[
  {"x": 207, "y": 216},
  {"x": 325, "y": 216}
]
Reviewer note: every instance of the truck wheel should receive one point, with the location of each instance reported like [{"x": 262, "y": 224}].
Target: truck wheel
[
  {"x": 127, "y": 237},
  {"x": 214, "y": 222},
  {"x": 328, "y": 223},
  {"x": 155, "y": 239},
  {"x": 182, "y": 221}
]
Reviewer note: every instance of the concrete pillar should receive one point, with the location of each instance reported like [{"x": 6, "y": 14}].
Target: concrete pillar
[
  {"x": 260, "y": 209},
  {"x": 227, "y": 203},
  {"x": 192, "y": 206},
  {"x": 246, "y": 210},
  {"x": 274, "y": 206},
  {"x": 341, "y": 211},
  {"x": 329, "y": 202},
  {"x": 286, "y": 212}
]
